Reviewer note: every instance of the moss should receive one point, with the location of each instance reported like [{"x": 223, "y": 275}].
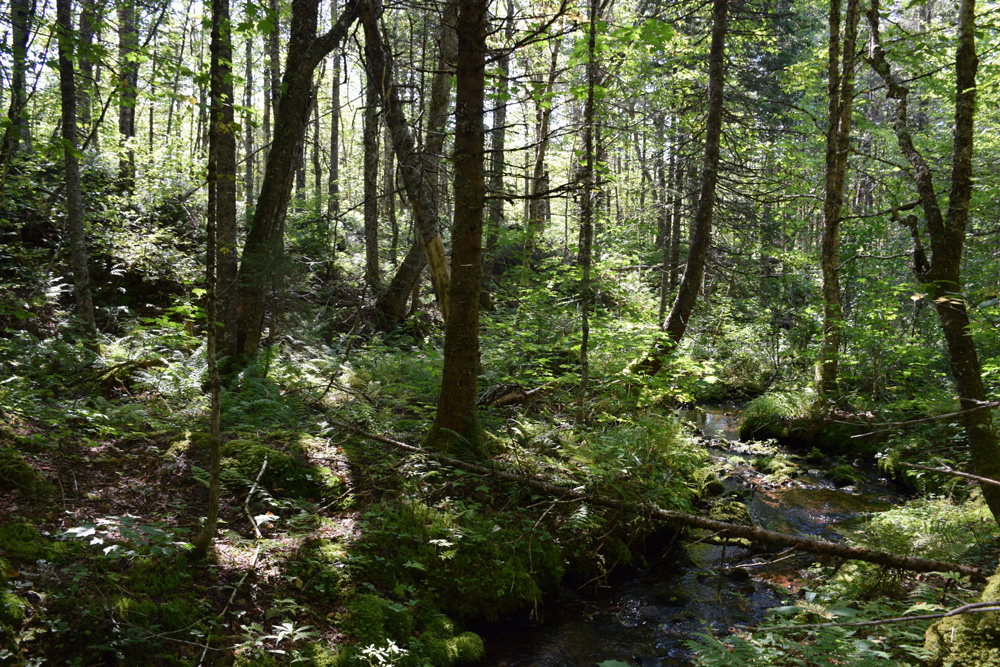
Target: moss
[
  {"x": 842, "y": 475},
  {"x": 733, "y": 512},
  {"x": 22, "y": 543},
  {"x": 320, "y": 567},
  {"x": 6, "y": 571},
  {"x": 372, "y": 620},
  {"x": 16, "y": 474},
  {"x": 320, "y": 655},
  {"x": 967, "y": 640},
  {"x": 187, "y": 442},
  {"x": 465, "y": 649},
  {"x": 13, "y": 609},
  {"x": 284, "y": 473}
]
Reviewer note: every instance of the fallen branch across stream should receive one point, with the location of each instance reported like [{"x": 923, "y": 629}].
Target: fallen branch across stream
[{"x": 820, "y": 547}]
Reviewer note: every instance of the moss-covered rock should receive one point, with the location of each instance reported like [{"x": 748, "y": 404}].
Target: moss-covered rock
[
  {"x": 842, "y": 475},
  {"x": 23, "y": 544},
  {"x": 732, "y": 511},
  {"x": 15, "y": 473},
  {"x": 967, "y": 640},
  {"x": 13, "y": 609},
  {"x": 373, "y": 619},
  {"x": 321, "y": 568},
  {"x": 285, "y": 474},
  {"x": 187, "y": 442},
  {"x": 465, "y": 649}
]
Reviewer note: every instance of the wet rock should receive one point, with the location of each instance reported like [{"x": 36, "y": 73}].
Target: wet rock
[{"x": 738, "y": 574}]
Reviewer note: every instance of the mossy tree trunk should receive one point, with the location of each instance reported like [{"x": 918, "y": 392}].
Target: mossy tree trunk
[
  {"x": 940, "y": 273},
  {"x": 456, "y": 425},
  {"x": 840, "y": 98}
]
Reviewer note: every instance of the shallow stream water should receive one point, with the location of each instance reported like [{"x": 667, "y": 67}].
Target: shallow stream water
[{"x": 647, "y": 617}]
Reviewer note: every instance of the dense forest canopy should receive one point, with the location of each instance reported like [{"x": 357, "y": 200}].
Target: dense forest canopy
[{"x": 241, "y": 240}]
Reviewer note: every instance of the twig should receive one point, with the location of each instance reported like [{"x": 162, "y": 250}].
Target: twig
[
  {"x": 949, "y": 471},
  {"x": 246, "y": 503},
  {"x": 253, "y": 563},
  {"x": 983, "y": 405}
]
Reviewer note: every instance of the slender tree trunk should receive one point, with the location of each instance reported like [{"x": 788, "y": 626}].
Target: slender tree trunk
[
  {"x": 456, "y": 425},
  {"x": 666, "y": 181},
  {"x": 17, "y": 136},
  {"x": 90, "y": 12},
  {"x": 940, "y": 274},
  {"x": 370, "y": 144},
  {"x": 223, "y": 122},
  {"x": 249, "y": 188},
  {"x": 264, "y": 242},
  {"x": 538, "y": 196},
  {"x": 840, "y": 98},
  {"x": 221, "y": 167},
  {"x": 388, "y": 200},
  {"x": 420, "y": 185},
  {"x": 498, "y": 137},
  {"x": 587, "y": 211},
  {"x": 128, "y": 67},
  {"x": 74, "y": 190},
  {"x": 333, "y": 181},
  {"x": 694, "y": 271}
]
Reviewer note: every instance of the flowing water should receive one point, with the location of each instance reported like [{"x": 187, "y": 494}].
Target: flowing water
[{"x": 647, "y": 617}]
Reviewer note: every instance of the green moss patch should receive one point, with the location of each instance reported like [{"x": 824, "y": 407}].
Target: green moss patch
[
  {"x": 968, "y": 640},
  {"x": 16, "y": 474},
  {"x": 243, "y": 459}
]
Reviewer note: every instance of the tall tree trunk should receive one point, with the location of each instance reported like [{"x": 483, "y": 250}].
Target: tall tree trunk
[
  {"x": 221, "y": 168},
  {"x": 17, "y": 136},
  {"x": 940, "y": 274},
  {"x": 128, "y": 68},
  {"x": 249, "y": 189},
  {"x": 223, "y": 122},
  {"x": 587, "y": 211},
  {"x": 333, "y": 180},
  {"x": 694, "y": 271},
  {"x": 90, "y": 13},
  {"x": 421, "y": 187},
  {"x": 456, "y": 425},
  {"x": 370, "y": 145},
  {"x": 264, "y": 242},
  {"x": 538, "y": 196},
  {"x": 74, "y": 191},
  {"x": 498, "y": 137},
  {"x": 388, "y": 203},
  {"x": 840, "y": 100}
]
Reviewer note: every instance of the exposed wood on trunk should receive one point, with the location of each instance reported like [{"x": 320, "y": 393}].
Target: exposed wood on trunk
[
  {"x": 682, "y": 519},
  {"x": 420, "y": 187}
]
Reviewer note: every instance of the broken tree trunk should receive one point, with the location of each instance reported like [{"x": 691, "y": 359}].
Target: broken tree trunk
[{"x": 680, "y": 519}]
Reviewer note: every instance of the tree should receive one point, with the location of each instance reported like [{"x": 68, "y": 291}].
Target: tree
[
  {"x": 940, "y": 273},
  {"x": 420, "y": 170},
  {"x": 17, "y": 135},
  {"x": 221, "y": 217},
  {"x": 74, "y": 190},
  {"x": 373, "y": 274},
  {"x": 701, "y": 234},
  {"x": 265, "y": 238},
  {"x": 456, "y": 424},
  {"x": 840, "y": 98},
  {"x": 128, "y": 72}
]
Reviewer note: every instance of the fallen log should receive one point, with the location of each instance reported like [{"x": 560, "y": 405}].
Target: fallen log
[{"x": 674, "y": 518}]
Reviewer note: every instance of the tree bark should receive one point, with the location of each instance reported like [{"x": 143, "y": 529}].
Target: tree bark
[
  {"x": 223, "y": 125},
  {"x": 221, "y": 167},
  {"x": 940, "y": 274},
  {"x": 17, "y": 136},
  {"x": 498, "y": 137},
  {"x": 420, "y": 186},
  {"x": 128, "y": 68},
  {"x": 701, "y": 235},
  {"x": 74, "y": 190},
  {"x": 456, "y": 425},
  {"x": 370, "y": 144},
  {"x": 840, "y": 97},
  {"x": 265, "y": 241},
  {"x": 587, "y": 211}
]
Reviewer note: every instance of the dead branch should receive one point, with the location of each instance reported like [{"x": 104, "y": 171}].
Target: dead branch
[
  {"x": 950, "y": 471},
  {"x": 679, "y": 519}
]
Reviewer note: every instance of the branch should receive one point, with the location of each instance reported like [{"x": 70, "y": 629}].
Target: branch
[
  {"x": 948, "y": 471},
  {"x": 679, "y": 519},
  {"x": 973, "y": 608}
]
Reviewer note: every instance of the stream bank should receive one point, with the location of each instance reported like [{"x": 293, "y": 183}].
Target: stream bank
[{"x": 647, "y": 616}]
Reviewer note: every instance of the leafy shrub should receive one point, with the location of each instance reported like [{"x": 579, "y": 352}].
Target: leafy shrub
[{"x": 768, "y": 416}]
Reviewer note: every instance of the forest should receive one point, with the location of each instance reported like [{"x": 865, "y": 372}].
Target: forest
[{"x": 524, "y": 332}]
